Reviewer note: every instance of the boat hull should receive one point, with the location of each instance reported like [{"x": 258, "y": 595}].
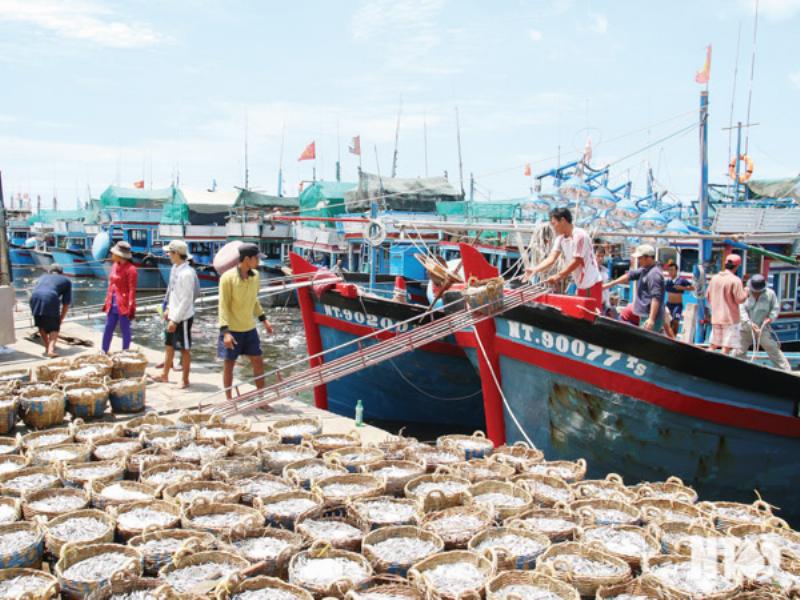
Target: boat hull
[
  {"x": 20, "y": 257},
  {"x": 73, "y": 262},
  {"x": 42, "y": 259}
]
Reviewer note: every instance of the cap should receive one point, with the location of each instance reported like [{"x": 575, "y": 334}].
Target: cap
[
  {"x": 733, "y": 259},
  {"x": 757, "y": 283},
  {"x": 56, "y": 268},
  {"x": 123, "y": 250},
  {"x": 246, "y": 250},
  {"x": 644, "y": 250},
  {"x": 180, "y": 248}
]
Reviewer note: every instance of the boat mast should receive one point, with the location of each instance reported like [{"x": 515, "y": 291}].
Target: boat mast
[
  {"x": 5, "y": 266},
  {"x": 246, "y": 169},
  {"x": 397, "y": 138},
  {"x": 704, "y": 246},
  {"x": 280, "y": 161},
  {"x": 460, "y": 163},
  {"x": 425, "y": 139}
]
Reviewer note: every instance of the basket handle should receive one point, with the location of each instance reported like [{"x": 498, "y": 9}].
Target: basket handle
[
  {"x": 763, "y": 507},
  {"x": 495, "y": 555},
  {"x": 319, "y": 549}
]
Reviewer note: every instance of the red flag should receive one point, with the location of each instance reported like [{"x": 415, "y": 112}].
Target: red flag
[
  {"x": 704, "y": 74},
  {"x": 527, "y": 170},
  {"x": 139, "y": 184},
  {"x": 310, "y": 153},
  {"x": 355, "y": 146}
]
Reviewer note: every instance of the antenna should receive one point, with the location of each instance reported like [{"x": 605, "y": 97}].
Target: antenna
[
  {"x": 396, "y": 138},
  {"x": 425, "y": 139},
  {"x": 733, "y": 95},
  {"x": 280, "y": 160},
  {"x": 338, "y": 153},
  {"x": 246, "y": 169},
  {"x": 752, "y": 74},
  {"x": 460, "y": 164}
]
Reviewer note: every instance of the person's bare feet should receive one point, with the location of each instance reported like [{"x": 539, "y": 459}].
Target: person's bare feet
[
  {"x": 183, "y": 385},
  {"x": 159, "y": 378},
  {"x": 51, "y": 354}
]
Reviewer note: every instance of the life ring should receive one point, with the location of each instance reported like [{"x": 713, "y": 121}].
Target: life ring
[
  {"x": 375, "y": 232},
  {"x": 748, "y": 172}
]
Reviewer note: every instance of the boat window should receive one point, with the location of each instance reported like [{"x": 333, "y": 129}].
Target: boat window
[
  {"x": 753, "y": 263},
  {"x": 688, "y": 260},
  {"x": 788, "y": 292},
  {"x": 137, "y": 237},
  {"x": 666, "y": 254}
]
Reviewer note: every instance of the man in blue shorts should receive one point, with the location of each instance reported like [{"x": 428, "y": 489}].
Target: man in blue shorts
[
  {"x": 675, "y": 285},
  {"x": 238, "y": 309},
  {"x": 50, "y": 302}
]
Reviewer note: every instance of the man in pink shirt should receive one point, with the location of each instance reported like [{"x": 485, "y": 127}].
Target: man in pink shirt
[{"x": 725, "y": 294}]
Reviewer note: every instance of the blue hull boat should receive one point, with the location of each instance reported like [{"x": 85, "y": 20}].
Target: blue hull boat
[
  {"x": 20, "y": 257},
  {"x": 73, "y": 261}
]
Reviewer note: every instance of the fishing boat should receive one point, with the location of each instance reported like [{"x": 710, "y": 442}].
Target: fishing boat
[
  {"x": 20, "y": 241},
  {"x": 70, "y": 244}
]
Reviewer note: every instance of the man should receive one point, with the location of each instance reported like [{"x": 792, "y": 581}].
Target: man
[
  {"x": 649, "y": 301},
  {"x": 182, "y": 291},
  {"x": 238, "y": 307},
  {"x": 757, "y": 314},
  {"x": 676, "y": 284},
  {"x": 725, "y": 294},
  {"x": 600, "y": 259},
  {"x": 576, "y": 247},
  {"x": 50, "y": 302}
]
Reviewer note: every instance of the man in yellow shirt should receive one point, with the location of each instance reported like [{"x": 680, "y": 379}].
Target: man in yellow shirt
[{"x": 238, "y": 309}]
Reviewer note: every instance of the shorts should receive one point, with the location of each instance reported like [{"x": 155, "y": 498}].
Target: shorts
[
  {"x": 595, "y": 291},
  {"x": 675, "y": 310},
  {"x": 48, "y": 323},
  {"x": 247, "y": 344},
  {"x": 726, "y": 336},
  {"x": 628, "y": 316},
  {"x": 181, "y": 338}
]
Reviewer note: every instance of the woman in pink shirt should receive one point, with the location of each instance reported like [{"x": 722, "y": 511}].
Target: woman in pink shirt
[{"x": 725, "y": 293}]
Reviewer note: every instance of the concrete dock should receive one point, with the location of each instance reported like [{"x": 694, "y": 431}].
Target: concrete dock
[{"x": 166, "y": 398}]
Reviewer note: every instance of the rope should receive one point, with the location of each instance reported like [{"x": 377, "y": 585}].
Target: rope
[{"x": 428, "y": 394}]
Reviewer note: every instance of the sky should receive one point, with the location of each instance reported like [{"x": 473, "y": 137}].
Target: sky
[{"x": 101, "y": 92}]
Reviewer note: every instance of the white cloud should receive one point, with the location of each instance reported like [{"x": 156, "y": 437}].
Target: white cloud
[
  {"x": 84, "y": 21},
  {"x": 596, "y": 23},
  {"x": 775, "y": 10},
  {"x": 535, "y": 35}
]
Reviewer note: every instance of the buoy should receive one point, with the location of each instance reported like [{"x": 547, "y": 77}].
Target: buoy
[
  {"x": 748, "y": 171},
  {"x": 399, "y": 290},
  {"x": 101, "y": 245},
  {"x": 227, "y": 257}
]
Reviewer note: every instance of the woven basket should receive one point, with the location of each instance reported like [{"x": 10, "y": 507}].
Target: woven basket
[
  {"x": 49, "y": 590},
  {"x": 273, "y": 566},
  {"x": 51, "y": 437},
  {"x": 298, "y": 472},
  {"x": 728, "y": 514},
  {"x": 659, "y": 511},
  {"x": 72, "y": 554},
  {"x": 519, "y": 456},
  {"x": 121, "y": 587},
  {"x": 128, "y": 364},
  {"x": 562, "y": 590},
  {"x": 649, "y": 575},
  {"x": 115, "y": 448},
  {"x": 335, "y": 589},
  {"x": 275, "y": 458},
  {"x": 610, "y": 488},
  {"x": 361, "y": 510},
  {"x": 187, "y": 420},
  {"x": 394, "y": 446},
  {"x": 9, "y": 406},
  {"x": 369, "y": 487},
  {"x": 10, "y": 510},
  {"x": 325, "y": 442},
  {"x": 189, "y": 558},
  {"x": 9, "y": 487},
  {"x": 126, "y": 532},
  {"x": 433, "y": 457},
  {"x": 150, "y": 421},
  {"x": 250, "y": 443},
  {"x": 86, "y": 399},
  {"x": 98, "y": 360},
  {"x": 438, "y": 499},
  {"x": 12, "y": 462},
  {"x": 416, "y": 574},
  {"x": 169, "y": 439},
  {"x": 61, "y": 453},
  {"x": 128, "y": 396},
  {"x": 145, "y": 459},
  {"x": 84, "y": 373},
  {"x": 9, "y": 446},
  {"x": 167, "y": 473},
  {"x": 236, "y": 585},
  {"x": 42, "y": 409},
  {"x": 78, "y": 475},
  {"x": 457, "y": 525},
  {"x": 231, "y": 469},
  {"x": 102, "y": 497},
  {"x": 775, "y": 533},
  {"x": 294, "y": 431},
  {"x": 29, "y": 557},
  {"x": 567, "y": 470},
  {"x": 592, "y": 536},
  {"x": 535, "y": 519},
  {"x": 761, "y": 595},
  {"x": 274, "y": 514},
  {"x": 400, "y": 565},
  {"x": 155, "y": 560},
  {"x": 599, "y": 512},
  {"x": 382, "y": 587},
  {"x": 483, "y": 469},
  {"x": 261, "y": 485},
  {"x": 519, "y": 499},
  {"x": 472, "y": 446},
  {"x": 200, "y": 452},
  {"x": 15, "y": 376},
  {"x": 508, "y": 559},
  {"x": 221, "y": 432},
  {"x": 649, "y": 589},
  {"x": 247, "y": 519},
  {"x": 32, "y": 505},
  {"x": 217, "y": 492},
  {"x": 96, "y": 433},
  {"x": 547, "y": 491},
  {"x": 351, "y": 542},
  {"x": 53, "y": 543},
  {"x": 671, "y": 489},
  {"x": 353, "y": 458},
  {"x": 49, "y": 371},
  {"x": 552, "y": 563},
  {"x": 395, "y": 473},
  {"x": 675, "y": 538}
]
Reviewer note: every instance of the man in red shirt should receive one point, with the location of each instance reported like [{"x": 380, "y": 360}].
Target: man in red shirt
[{"x": 725, "y": 293}]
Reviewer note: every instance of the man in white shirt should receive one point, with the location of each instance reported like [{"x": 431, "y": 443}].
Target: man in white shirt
[
  {"x": 183, "y": 289},
  {"x": 576, "y": 247}
]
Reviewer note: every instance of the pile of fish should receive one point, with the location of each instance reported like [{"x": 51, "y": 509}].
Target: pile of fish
[{"x": 444, "y": 530}]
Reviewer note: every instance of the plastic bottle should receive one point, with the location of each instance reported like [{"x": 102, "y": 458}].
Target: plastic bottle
[{"x": 359, "y": 413}]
